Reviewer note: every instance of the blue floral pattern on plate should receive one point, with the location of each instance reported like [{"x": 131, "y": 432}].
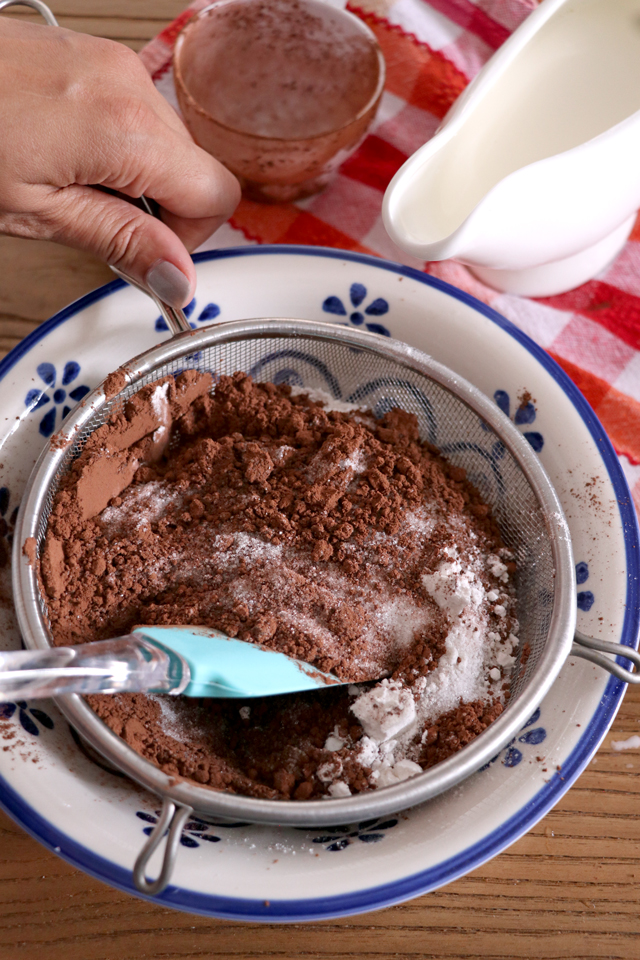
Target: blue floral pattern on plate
[
  {"x": 585, "y": 598},
  {"x": 194, "y": 830},
  {"x": 524, "y": 416},
  {"x": 357, "y": 295},
  {"x": 336, "y": 838},
  {"x": 368, "y": 831},
  {"x": 27, "y": 716},
  {"x": 513, "y": 755},
  {"x": 58, "y": 396},
  {"x": 210, "y": 312}
]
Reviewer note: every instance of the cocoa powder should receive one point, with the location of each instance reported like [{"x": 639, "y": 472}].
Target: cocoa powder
[
  {"x": 114, "y": 383},
  {"x": 263, "y": 514}
]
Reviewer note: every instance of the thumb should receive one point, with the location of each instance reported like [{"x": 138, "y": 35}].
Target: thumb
[{"x": 125, "y": 237}]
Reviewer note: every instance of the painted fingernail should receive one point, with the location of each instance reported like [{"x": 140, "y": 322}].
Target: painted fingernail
[{"x": 168, "y": 283}]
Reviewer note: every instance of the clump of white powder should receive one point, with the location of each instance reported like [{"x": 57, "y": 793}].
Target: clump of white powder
[
  {"x": 386, "y": 710},
  {"x": 478, "y": 658},
  {"x": 327, "y": 401}
]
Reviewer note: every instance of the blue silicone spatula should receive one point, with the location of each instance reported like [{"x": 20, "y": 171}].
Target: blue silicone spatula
[{"x": 194, "y": 661}]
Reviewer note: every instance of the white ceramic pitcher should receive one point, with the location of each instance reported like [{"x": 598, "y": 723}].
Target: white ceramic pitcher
[{"x": 533, "y": 178}]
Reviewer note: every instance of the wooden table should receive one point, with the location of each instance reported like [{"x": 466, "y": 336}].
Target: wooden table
[{"x": 570, "y": 888}]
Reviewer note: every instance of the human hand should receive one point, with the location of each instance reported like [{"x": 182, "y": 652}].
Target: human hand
[{"x": 78, "y": 111}]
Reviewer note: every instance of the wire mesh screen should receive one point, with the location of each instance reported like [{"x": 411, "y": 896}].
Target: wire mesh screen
[{"x": 373, "y": 379}]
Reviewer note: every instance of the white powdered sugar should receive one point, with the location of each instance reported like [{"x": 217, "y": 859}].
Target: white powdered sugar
[
  {"x": 333, "y": 743},
  {"x": 159, "y": 401},
  {"x": 282, "y": 454},
  {"x": 453, "y": 588},
  {"x": 329, "y": 771},
  {"x": 478, "y": 658},
  {"x": 160, "y": 404},
  {"x": 174, "y": 723},
  {"x": 388, "y": 773},
  {"x": 386, "y": 710},
  {"x": 356, "y": 463},
  {"x": 368, "y": 751},
  {"x": 419, "y": 521},
  {"x": 631, "y": 743},
  {"x": 328, "y": 402},
  {"x": 404, "y": 769},
  {"x": 400, "y": 618},
  {"x": 339, "y": 789},
  {"x": 141, "y": 506},
  {"x": 246, "y": 546},
  {"x": 322, "y": 467},
  {"x": 498, "y": 569}
]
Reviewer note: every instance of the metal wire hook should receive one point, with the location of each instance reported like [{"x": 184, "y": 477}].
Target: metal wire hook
[
  {"x": 36, "y": 5},
  {"x": 172, "y": 817},
  {"x": 589, "y": 648}
]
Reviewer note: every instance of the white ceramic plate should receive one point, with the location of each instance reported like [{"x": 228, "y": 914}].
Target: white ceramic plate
[{"x": 96, "y": 819}]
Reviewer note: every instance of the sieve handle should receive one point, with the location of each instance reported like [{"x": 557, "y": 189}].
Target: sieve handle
[
  {"x": 125, "y": 664},
  {"x": 589, "y": 648},
  {"x": 174, "y": 317},
  {"x": 170, "y": 822},
  {"x": 37, "y": 5}
]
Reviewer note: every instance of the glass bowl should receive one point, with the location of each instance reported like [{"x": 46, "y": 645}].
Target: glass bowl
[{"x": 280, "y": 92}]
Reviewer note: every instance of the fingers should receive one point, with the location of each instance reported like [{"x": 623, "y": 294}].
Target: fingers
[
  {"x": 184, "y": 179},
  {"x": 195, "y": 191},
  {"x": 192, "y": 232},
  {"x": 125, "y": 237},
  {"x": 142, "y": 146},
  {"x": 81, "y": 110}
]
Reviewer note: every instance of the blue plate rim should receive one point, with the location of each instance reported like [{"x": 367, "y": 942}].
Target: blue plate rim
[{"x": 383, "y": 895}]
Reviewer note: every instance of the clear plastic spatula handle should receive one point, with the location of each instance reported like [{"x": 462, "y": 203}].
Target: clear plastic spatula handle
[{"x": 126, "y": 664}]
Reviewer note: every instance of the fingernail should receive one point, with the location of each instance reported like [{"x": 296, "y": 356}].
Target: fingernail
[{"x": 168, "y": 283}]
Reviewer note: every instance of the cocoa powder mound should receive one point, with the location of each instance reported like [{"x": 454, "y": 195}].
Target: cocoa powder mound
[
  {"x": 114, "y": 383},
  {"x": 265, "y": 515}
]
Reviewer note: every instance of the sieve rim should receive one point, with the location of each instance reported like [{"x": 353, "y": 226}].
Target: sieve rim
[{"x": 431, "y": 782}]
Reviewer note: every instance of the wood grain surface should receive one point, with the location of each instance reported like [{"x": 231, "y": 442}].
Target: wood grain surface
[{"x": 568, "y": 889}]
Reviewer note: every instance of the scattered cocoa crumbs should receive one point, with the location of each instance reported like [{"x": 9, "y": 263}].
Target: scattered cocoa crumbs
[
  {"x": 30, "y": 550},
  {"x": 59, "y": 441},
  {"x": 336, "y": 538},
  {"x": 524, "y": 399}
]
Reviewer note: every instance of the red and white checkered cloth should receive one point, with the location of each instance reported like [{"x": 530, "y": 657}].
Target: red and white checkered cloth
[{"x": 432, "y": 50}]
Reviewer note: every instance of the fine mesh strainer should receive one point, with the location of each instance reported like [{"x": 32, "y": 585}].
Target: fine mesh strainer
[{"x": 470, "y": 431}]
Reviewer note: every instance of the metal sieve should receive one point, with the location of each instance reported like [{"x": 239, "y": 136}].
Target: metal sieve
[{"x": 470, "y": 431}]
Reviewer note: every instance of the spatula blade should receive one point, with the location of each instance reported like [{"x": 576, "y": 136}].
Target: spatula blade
[{"x": 224, "y": 667}]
